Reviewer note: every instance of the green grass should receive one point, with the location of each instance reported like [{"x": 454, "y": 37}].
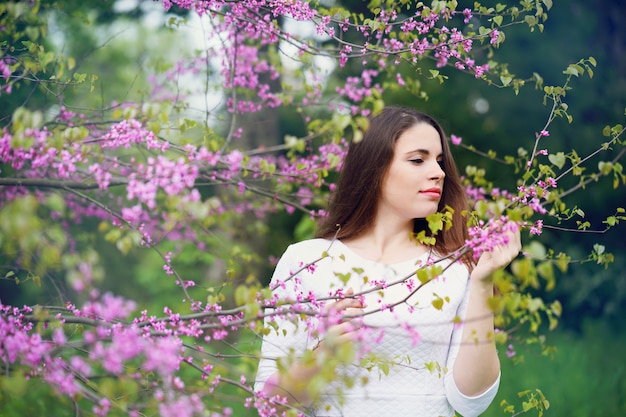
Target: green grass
[{"x": 585, "y": 378}]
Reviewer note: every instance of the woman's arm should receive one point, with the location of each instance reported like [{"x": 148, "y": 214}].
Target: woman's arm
[{"x": 477, "y": 365}]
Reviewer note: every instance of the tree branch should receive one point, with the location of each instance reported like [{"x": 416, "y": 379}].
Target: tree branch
[{"x": 47, "y": 183}]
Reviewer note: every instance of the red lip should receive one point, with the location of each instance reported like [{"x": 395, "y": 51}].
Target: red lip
[{"x": 433, "y": 190}]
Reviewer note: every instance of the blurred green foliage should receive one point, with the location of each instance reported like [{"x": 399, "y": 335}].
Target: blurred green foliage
[{"x": 586, "y": 377}]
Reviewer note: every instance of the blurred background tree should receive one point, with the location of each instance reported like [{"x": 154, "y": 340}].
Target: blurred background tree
[{"x": 119, "y": 40}]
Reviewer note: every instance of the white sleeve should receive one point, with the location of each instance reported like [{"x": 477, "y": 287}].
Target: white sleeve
[
  {"x": 288, "y": 336},
  {"x": 466, "y": 406}
]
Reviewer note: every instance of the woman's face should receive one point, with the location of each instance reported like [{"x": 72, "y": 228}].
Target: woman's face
[{"x": 413, "y": 184}]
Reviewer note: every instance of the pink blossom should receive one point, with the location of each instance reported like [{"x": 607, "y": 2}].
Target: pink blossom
[
  {"x": 456, "y": 140},
  {"x": 102, "y": 408},
  {"x": 486, "y": 237},
  {"x": 62, "y": 380},
  {"x": 183, "y": 406},
  {"x": 467, "y": 13},
  {"x": 233, "y": 160},
  {"x": 80, "y": 366},
  {"x": 536, "y": 228},
  {"x": 110, "y": 308},
  {"x": 164, "y": 356},
  {"x": 510, "y": 351},
  {"x": 480, "y": 70},
  {"x": 494, "y": 36}
]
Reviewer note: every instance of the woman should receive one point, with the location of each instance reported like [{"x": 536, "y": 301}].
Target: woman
[{"x": 423, "y": 343}]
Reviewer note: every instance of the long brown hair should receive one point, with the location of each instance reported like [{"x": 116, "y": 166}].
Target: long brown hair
[{"x": 352, "y": 206}]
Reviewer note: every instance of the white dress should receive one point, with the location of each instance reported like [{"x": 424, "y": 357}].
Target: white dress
[{"x": 421, "y": 340}]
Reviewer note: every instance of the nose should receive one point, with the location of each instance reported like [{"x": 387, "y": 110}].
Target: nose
[{"x": 437, "y": 173}]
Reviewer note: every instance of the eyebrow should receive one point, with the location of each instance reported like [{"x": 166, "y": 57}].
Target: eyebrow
[{"x": 422, "y": 151}]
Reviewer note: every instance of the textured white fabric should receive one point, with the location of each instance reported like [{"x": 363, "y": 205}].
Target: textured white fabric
[{"x": 412, "y": 334}]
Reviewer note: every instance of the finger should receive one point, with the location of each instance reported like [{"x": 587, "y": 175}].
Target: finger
[
  {"x": 342, "y": 331},
  {"x": 349, "y": 301},
  {"x": 341, "y": 305},
  {"x": 515, "y": 243},
  {"x": 347, "y": 337},
  {"x": 351, "y": 320},
  {"x": 352, "y": 313},
  {"x": 349, "y": 304},
  {"x": 338, "y": 305},
  {"x": 344, "y": 303}
]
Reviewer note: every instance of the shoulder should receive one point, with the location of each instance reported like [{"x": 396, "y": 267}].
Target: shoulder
[
  {"x": 308, "y": 250},
  {"x": 299, "y": 261}
]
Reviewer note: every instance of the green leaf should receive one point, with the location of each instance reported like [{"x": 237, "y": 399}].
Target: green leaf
[
  {"x": 343, "y": 277},
  {"x": 546, "y": 271},
  {"x": 384, "y": 367},
  {"x": 574, "y": 69},
  {"x": 605, "y": 168},
  {"x": 241, "y": 295},
  {"x": 530, "y": 20},
  {"x": 79, "y": 78},
  {"x": 435, "y": 224},
  {"x": 599, "y": 249},
  {"x": 557, "y": 159},
  {"x": 536, "y": 249},
  {"x": 506, "y": 80},
  {"x": 562, "y": 262}
]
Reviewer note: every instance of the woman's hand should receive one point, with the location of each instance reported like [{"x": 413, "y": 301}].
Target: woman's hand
[
  {"x": 499, "y": 257},
  {"x": 350, "y": 311}
]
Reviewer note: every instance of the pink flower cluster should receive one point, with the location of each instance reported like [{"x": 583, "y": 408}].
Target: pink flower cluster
[
  {"x": 149, "y": 345},
  {"x": 6, "y": 72},
  {"x": 358, "y": 88},
  {"x": 446, "y": 43},
  {"x": 16, "y": 340},
  {"x": 109, "y": 308},
  {"x": 20, "y": 344},
  {"x": 533, "y": 195},
  {"x": 160, "y": 173},
  {"x": 16, "y": 152},
  {"x": 250, "y": 25},
  {"x": 128, "y": 132},
  {"x": 486, "y": 237}
]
